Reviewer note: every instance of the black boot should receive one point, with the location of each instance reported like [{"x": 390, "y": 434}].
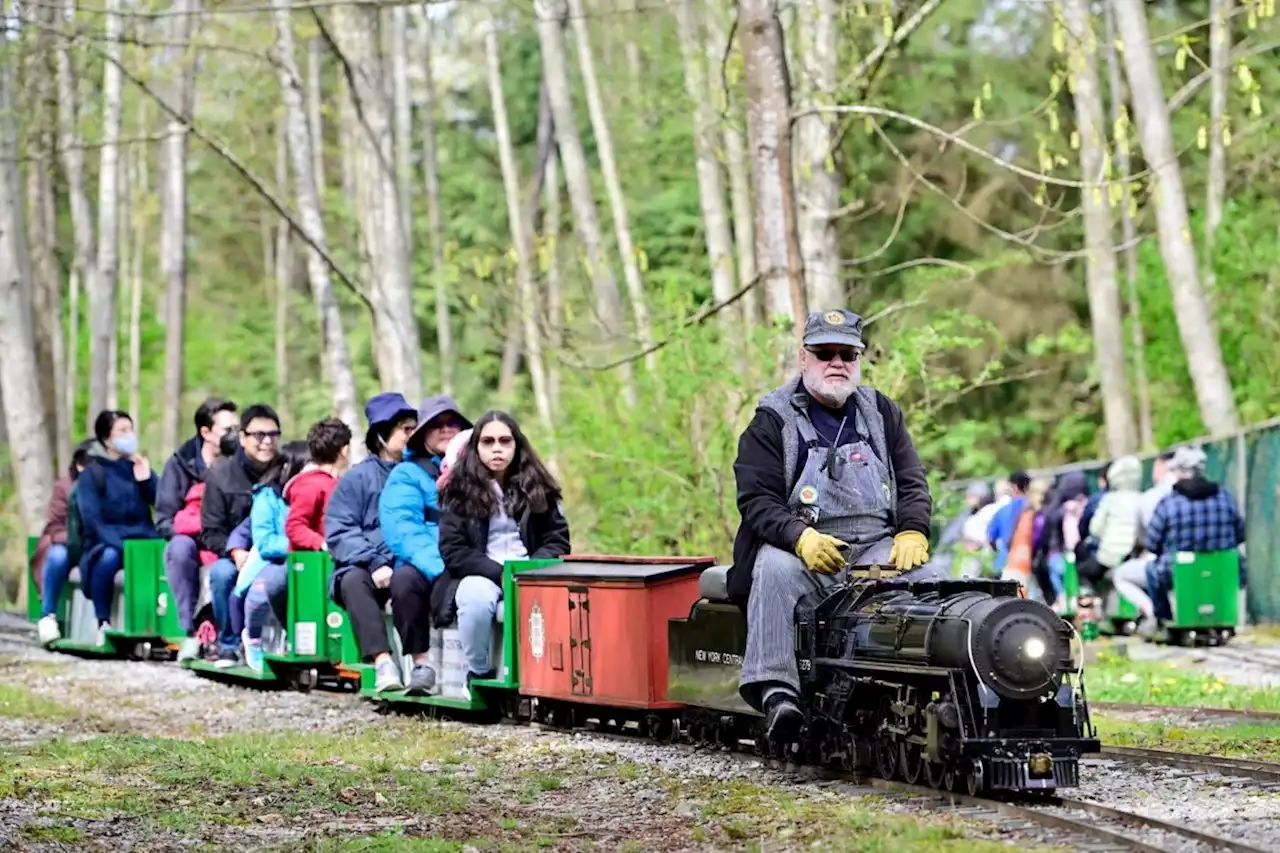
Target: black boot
[{"x": 782, "y": 718}]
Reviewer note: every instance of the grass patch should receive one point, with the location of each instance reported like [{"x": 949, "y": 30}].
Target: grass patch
[
  {"x": 1258, "y": 741},
  {"x": 1117, "y": 678},
  {"x": 19, "y": 703}
]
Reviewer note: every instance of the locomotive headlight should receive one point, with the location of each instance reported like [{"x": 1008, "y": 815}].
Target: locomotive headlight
[{"x": 1034, "y": 648}]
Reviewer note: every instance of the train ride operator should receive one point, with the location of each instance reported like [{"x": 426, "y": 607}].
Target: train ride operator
[{"x": 825, "y": 462}]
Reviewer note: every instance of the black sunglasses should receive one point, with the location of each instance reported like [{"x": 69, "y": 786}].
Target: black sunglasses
[{"x": 828, "y": 353}]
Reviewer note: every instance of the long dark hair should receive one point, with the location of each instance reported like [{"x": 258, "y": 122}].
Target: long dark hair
[
  {"x": 80, "y": 457},
  {"x": 291, "y": 459},
  {"x": 529, "y": 486}
]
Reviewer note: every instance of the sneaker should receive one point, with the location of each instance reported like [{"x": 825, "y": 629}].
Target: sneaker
[
  {"x": 101, "y": 637},
  {"x": 190, "y": 649},
  {"x": 253, "y": 652},
  {"x": 782, "y": 718},
  {"x": 422, "y": 680},
  {"x": 228, "y": 656},
  {"x": 387, "y": 677},
  {"x": 475, "y": 676},
  {"x": 48, "y": 631}
]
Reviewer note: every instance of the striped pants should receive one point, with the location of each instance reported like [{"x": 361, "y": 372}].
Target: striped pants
[{"x": 779, "y": 581}]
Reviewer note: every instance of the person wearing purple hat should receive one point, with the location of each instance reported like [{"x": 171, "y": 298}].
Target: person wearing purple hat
[
  {"x": 361, "y": 581},
  {"x": 410, "y": 512}
]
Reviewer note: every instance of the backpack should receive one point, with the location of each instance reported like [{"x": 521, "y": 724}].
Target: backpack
[{"x": 75, "y": 524}]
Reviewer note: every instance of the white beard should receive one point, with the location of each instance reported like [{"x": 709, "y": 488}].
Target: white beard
[{"x": 831, "y": 392}]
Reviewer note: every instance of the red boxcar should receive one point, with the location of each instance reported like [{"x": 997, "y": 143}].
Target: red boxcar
[{"x": 593, "y": 629}]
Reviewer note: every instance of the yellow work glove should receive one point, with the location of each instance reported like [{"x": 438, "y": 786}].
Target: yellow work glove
[
  {"x": 910, "y": 549},
  {"x": 820, "y": 552}
]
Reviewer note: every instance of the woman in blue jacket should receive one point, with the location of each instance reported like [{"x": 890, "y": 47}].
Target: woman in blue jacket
[
  {"x": 361, "y": 582},
  {"x": 410, "y": 512},
  {"x": 114, "y": 494}
]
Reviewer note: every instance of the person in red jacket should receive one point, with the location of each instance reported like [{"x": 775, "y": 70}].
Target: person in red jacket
[{"x": 308, "y": 493}]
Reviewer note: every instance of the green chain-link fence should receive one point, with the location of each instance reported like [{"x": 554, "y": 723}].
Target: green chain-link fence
[{"x": 1247, "y": 463}]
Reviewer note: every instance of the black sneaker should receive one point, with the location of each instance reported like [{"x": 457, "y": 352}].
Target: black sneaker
[
  {"x": 476, "y": 676},
  {"x": 782, "y": 718},
  {"x": 228, "y": 657}
]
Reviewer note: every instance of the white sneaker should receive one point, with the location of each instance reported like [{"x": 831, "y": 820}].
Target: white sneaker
[
  {"x": 47, "y": 630},
  {"x": 101, "y": 637},
  {"x": 189, "y": 650},
  {"x": 387, "y": 677}
]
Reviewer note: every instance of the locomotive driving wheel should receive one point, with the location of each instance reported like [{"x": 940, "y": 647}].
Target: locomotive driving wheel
[
  {"x": 935, "y": 774},
  {"x": 910, "y": 762},
  {"x": 976, "y": 779},
  {"x": 886, "y": 756}
]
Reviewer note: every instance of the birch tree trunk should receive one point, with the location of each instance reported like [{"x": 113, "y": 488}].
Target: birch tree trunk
[
  {"x": 315, "y": 115},
  {"x": 348, "y": 125},
  {"x": 1220, "y": 67},
  {"x": 735, "y": 158},
  {"x": 283, "y": 274},
  {"x": 102, "y": 298},
  {"x": 1195, "y": 320},
  {"x": 181, "y": 62},
  {"x": 550, "y": 16},
  {"x": 1100, "y": 262},
  {"x": 301, "y": 146},
  {"x": 769, "y": 136},
  {"x": 612, "y": 183},
  {"x": 383, "y": 218},
  {"x": 818, "y": 181},
  {"x": 83, "y": 271},
  {"x": 1129, "y": 235},
  {"x": 635, "y": 69},
  {"x": 431, "y": 175},
  {"x": 715, "y": 216},
  {"x": 134, "y": 193},
  {"x": 402, "y": 111},
  {"x": 519, "y": 232},
  {"x": 19, "y": 376},
  {"x": 41, "y": 129},
  {"x": 555, "y": 290}
]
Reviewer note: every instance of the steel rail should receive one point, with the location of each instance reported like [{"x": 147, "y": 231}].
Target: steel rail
[
  {"x": 1188, "y": 711},
  {"x": 1266, "y": 771}
]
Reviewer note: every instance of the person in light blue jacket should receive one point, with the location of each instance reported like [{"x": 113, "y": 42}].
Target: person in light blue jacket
[
  {"x": 270, "y": 547},
  {"x": 409, "y": 514}
]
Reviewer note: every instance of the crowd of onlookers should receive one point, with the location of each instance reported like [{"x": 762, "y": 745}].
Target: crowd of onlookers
[
  {"x": 1029, "y": 528},
  {"x": 423, "y": 524}
]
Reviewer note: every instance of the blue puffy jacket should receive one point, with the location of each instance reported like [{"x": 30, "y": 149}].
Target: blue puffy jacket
[
  {"x": 352, "y": 528},
  {"x": 410, "y": 512},
  {"x": 270, "y": 544}
]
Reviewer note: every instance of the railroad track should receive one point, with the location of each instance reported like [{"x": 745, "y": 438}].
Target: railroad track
[
  {"x": 1193, "y": 714},
  {"x": 1262, "y": 771}
]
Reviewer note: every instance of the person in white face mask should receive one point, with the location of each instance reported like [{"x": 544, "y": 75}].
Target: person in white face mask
[{"x": 114, "y": 494}]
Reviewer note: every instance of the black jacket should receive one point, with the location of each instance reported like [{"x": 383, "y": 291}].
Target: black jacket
[
  {"x": 464, "y": 541},
  {"x": 180, "y": 474},
  {"x": 763, "y": 494},
  {"x": 228, "y": 499}
]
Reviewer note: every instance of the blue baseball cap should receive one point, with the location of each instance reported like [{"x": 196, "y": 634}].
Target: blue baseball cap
[{"x": 387, "y": 408}]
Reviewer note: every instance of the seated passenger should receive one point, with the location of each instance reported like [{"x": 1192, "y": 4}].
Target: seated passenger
[
  {"x": 1198, "y": 516},
  {"x": 215, "y": 421},
  {"x": 362, "y": 561},
  {"x": 329, "y": 446},
  {"x": 500, "y": 504},
  {"x": 1059, "y": 536},
  {"x": 114, "y": 502},
  {"x": 410, "y": 513},
  {"x": 270, "y": 547},
  {"x": 825, "y": 462},
  {"x": 1117, "y": 522},
  {"x": 52, "y": 561},
  {"x": 228, "y": 500}
]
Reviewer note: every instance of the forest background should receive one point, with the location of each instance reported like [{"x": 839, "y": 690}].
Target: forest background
[{"x": 596, "y": 219}]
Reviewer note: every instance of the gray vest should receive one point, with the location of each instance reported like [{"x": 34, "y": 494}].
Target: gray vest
[{"x": 787, "y": 402}]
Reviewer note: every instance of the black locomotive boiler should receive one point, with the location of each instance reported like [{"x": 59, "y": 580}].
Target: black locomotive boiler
[{"x": 960, "y": 684}]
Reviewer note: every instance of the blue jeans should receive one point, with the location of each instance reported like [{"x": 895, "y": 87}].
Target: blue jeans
[
  {"x": 222, "y": 584},
  {"x": 99, "y": 576},
  {"x": 1057, "y": 573},
  {"x": 477, "y": 601},
  {"x": 57, "y": 565},
  {"x": 268, "y": 593}
]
